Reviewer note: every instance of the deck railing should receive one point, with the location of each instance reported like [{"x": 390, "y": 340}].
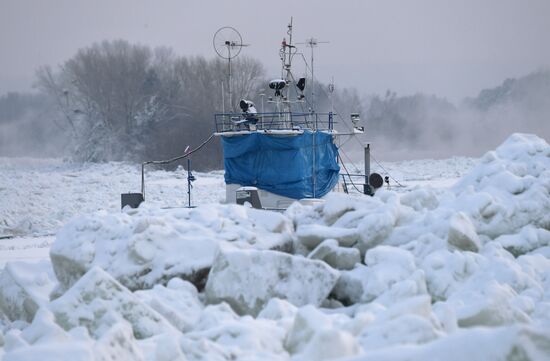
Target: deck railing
[{"x": 232, "y": 122}]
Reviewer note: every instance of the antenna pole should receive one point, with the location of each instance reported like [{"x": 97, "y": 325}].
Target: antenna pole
[
  {"x": 289, "y": 64},
  {"x": 290, "y": 33},
  {"x": 228, "y": 38},
  {"x": 286, "y": 58},
  {"x": 189, "y": 182},
  {"x": 223, "y": 99},
  {"x": 230, "y": 78},
  {"x": 312, "y": 43},
  {"x": 331, "y": 90}
]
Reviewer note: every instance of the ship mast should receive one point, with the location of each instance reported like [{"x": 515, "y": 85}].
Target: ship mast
[{"x": 286, "y": 53}]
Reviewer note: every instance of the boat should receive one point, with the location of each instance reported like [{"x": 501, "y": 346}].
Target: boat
[{"x": 271, "y": 159}]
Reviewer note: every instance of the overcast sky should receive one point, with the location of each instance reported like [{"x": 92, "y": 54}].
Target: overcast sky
[{"x": 449, "y": 48}]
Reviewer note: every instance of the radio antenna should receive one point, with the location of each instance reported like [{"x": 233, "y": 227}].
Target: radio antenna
[
  {"x": 228, "y": 43},
  {"x": 313, "y": 43}
]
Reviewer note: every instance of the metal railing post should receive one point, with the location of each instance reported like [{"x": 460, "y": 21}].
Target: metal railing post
[{"x": 366, "y": 186}]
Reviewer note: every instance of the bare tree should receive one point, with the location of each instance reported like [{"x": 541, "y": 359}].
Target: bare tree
[
  {"x": 108, "y": 93},
  {"x": 126, "y": 101}
]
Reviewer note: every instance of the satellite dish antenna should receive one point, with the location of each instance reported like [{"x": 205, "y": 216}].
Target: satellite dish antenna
[{"x": 228, "y": 44}]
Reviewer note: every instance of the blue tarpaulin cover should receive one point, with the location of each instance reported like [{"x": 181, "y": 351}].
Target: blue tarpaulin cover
[{"x": 282, "y": 164}]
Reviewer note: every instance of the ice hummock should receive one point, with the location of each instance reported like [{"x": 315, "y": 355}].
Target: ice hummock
[{"x": 457, "y": 273}]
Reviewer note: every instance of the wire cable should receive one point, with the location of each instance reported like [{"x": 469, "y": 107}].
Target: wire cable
[
  {"x": 360, "y": 143},
  {"x": 388, "y": 173},
  {"x": 349, "y": 160},
  {"x": 167, "y": 161},
  {"x": 349, "y": 176}
]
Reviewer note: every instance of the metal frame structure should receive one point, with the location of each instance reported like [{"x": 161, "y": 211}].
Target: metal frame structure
[{"x": 232, "y": 122}]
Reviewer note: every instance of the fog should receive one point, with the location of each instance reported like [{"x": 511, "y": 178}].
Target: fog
[
  {"x": 427, "y": 76},
  {"x": 449, "y": 48},
  {"x": 431, "y": 127}
]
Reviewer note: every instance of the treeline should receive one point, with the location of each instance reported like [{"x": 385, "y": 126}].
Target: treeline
[
  {"x": 120, "y": 101},
  {"x": 425, "y": 126}
]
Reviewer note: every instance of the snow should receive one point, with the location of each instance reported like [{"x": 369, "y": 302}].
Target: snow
[
  {"x": 455, "y": 266},
  {"x": 178, "y": 303},
  {"x": 24, "y": 287},
  {"x": 40, "y": 195},
  {"x": 335, "y": 256},
  {"x": 510, "y": 187},
  {"x": 499, "y": 344},
  {"x": 97, "y": 301},
  {"x": 27, "y": 248},
  {"x": 147, "y": 246},
  {"x": 314, "y": 337},
  {"x": 45, "y": 338},
  {"x": 248, "y": 279},
  {"x": 390, "y": 274},
  {"x": 462, "y": 233},
  {"x": 311, "y": 235}
]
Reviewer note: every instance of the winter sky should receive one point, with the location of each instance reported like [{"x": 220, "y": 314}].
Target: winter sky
[{"x": 449, "y": 48}]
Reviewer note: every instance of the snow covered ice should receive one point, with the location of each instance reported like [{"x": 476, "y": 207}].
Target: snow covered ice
[
  {"x": 248, "y": 279},
  {"x": 457, "y": 271},
  {"x": 149, "y": 246}
]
